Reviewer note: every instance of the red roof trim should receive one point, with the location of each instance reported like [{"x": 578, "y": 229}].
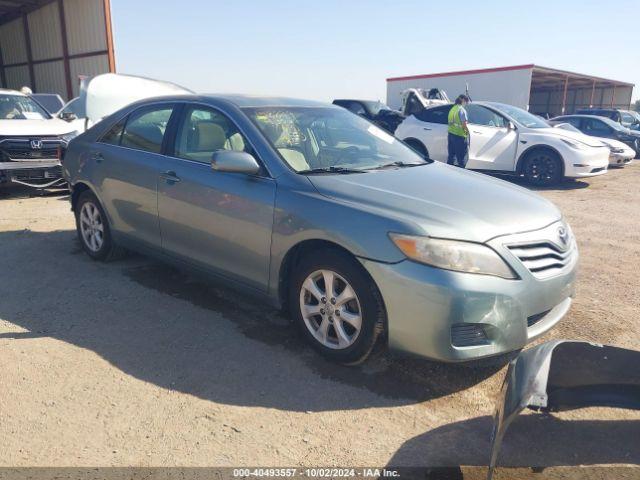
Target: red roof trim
[{"x": 468, "y": 72}]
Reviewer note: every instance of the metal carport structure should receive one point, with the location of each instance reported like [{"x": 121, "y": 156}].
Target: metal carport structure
[{"x": 48, "y": 45}]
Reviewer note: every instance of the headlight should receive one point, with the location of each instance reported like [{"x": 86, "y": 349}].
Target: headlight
[
  {"x": 67, "y": 137},
  {"x": 616, "y": 150},
  {"x": 575, "y": 144},
  {"x": 453, "y": 255}
]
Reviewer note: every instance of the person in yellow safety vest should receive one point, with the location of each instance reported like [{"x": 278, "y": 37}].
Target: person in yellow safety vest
[{"x": 458, "y": 147}]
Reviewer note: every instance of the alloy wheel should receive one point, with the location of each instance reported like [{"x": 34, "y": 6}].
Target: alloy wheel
[
  {"x": 541, "y": 169},
  {"x": 91, "y": 226},
  {"x": 330, "y": 309}
]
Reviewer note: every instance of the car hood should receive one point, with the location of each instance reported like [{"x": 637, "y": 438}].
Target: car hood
[
  {"x": 559, "y": 132},
  {"x": 443, "y": 201},
  {"x": 105, "y": 94},
  {"x": 614, "y": 143},
  {"x": 22, "y": 128}
]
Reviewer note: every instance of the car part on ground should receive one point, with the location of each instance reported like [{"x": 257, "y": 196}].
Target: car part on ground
[
  {"x": 507, "y": 139},
  {"x": 276, "y": 195},
  {"x": 565, "y": 375}
]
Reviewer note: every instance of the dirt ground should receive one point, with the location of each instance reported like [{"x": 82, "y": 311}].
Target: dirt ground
[{"x": 134, "y": 363}]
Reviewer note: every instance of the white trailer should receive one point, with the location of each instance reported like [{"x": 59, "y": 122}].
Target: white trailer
[{"x": 541, "y": 90}]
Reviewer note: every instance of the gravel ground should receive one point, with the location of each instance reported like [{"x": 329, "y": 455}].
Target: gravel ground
[{"x": 134, "y": 363}]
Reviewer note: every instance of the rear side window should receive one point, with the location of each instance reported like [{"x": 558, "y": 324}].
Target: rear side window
[
  {"x": 435, "y": 115},
  {"x": 145, "y": 129}
]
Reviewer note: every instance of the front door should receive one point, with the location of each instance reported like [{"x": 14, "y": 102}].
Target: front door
[
  {"x": 493, "y": 144},
  {"x": 218, "y": 220}
]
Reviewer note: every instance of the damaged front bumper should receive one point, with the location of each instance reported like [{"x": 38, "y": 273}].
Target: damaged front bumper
[
  {"x": 564, "y": 375},
  {"x": 37, "y": 174}
]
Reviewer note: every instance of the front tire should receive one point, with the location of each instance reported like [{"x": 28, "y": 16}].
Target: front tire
[
  {"x": 542, "y": 168},
  {"x": 93, "y": 228},
  {"x": 337, "y": 306}
]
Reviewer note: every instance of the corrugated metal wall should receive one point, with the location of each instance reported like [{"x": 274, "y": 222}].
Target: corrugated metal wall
[{"x": 66, "y": 39}]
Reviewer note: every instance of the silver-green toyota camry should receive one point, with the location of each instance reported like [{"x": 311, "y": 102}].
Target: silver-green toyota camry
[{"x": 325, "y": 215}]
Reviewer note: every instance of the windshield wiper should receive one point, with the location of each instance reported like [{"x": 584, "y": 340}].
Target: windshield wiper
[
  {"x": 399, "y": 164},
  {"x": 332, "y": 169}
]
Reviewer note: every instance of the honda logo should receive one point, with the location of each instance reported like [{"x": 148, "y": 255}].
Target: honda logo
[{"x": 36, "y": 144}]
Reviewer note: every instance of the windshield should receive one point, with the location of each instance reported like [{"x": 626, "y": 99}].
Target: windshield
[
  {"x": 310, "y": 138},
  {"x": 18, "y": 107},
  {"x": 375, "y": 107},
  {"x": 521, "y": 116}
]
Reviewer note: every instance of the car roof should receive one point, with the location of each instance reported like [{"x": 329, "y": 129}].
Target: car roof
[{"x": 241, "y": 100}]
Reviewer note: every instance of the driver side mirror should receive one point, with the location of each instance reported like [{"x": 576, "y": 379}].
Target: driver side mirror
[
  {"x": 511, "y": 125},
  {"x": 234, "y": 162},
  {"x": 68, "y": 116}
]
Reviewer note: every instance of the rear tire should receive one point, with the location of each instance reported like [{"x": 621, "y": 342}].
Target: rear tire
[
  {"x": 341, "y": 322},
  {"x": 542, "y": 168},
  {"x": 93, "y": 229}
]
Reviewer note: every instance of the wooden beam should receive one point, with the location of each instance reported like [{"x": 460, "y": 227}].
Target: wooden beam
[
  {"x": 109, "y": 32},
  {"x": 65, "y": 50},
  {"x": 27, "y": 39}
]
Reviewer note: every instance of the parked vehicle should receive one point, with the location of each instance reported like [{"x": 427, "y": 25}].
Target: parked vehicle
[
  {"x": 374, "y": 111},
  {"x": 51, "y": 102},
  {"x": 603, "y": 127},
  {"x": 414, "y": 100},
  {"x": 73, "y": 112},
  {"x": 328, "y": 216},
  {"x": 620, "y": 154},
  {"x": 508, "y": 139},
  {"x": 624, "y": 117},
  {"x": 30, "y": 142}
]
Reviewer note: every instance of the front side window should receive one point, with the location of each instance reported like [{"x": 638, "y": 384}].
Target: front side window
[
  {"x": 520, "y": 116},
  {"x": 479, "y": 115},
  {"x": 145, "y": 129},
  {"x": 595, "y": 126},
  {"x": 114, "y": 134},
  {"x": 204, "y": 131},
  {"x": 19, "y": 107},
  {"x": 627, "y": 119},
  {"x": 309, "y": 138}
]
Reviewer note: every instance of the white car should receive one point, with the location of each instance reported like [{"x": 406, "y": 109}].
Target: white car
[
  {"x": 507, "y": 139},
  {"x": 619, "y": 153},
  {"x": 30, "y": 142}
]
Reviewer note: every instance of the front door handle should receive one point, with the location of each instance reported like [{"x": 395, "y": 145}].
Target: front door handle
[
  {"x": 425, "y": 128},
  {"x": 97, "y": 157},
  {"x": 170, "y": 177}
]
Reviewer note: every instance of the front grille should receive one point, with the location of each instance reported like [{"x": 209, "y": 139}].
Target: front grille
[
  {"x": 468, "y": 335},
  {"x": 543, "y": 259},
  {"x": 21, "y": 149},
  {"x": 533, "y": 319}
]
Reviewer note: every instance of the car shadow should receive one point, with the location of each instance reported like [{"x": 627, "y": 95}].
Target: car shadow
[
  {"x": 566, "y": 184},
  {"x": 533, "y": 440},
  {"x": 167, "y": 327}
]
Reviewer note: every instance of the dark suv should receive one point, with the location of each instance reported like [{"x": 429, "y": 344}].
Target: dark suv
[
  {"x": 624, "y": 117},
  {"x": 602, "y": 127},
  {"x": 374, "y": 111}
]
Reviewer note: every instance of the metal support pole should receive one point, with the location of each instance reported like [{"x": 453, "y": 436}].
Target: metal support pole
[
  {"x": 564, "y": 95},
  {"x": 27, "y": 39},
  {"x": 593, "y": 91}
]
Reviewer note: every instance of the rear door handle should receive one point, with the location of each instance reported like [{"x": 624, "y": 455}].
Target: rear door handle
[
  {"x": 425, "y": 128},
  {"x": 170, "y": 177}
]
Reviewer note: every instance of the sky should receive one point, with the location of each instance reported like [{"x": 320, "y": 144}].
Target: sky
[{"x": 326, "y": 49}]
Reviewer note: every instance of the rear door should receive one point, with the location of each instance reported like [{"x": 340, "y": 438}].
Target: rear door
[
  {"x": 126, "y": 163},
  {"x": 430, "y": 127},
  {"x": 492, "y": 144},
  {"x": 217, "y": 220}
]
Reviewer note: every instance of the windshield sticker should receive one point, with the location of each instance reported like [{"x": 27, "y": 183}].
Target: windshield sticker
[{"x": 381, "y": 134}]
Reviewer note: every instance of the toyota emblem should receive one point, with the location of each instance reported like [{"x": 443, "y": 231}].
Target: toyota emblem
[{"x": 563, "y": 236}]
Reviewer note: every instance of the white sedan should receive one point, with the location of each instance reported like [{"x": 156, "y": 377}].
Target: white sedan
[{"x": 507, "y": 139}]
